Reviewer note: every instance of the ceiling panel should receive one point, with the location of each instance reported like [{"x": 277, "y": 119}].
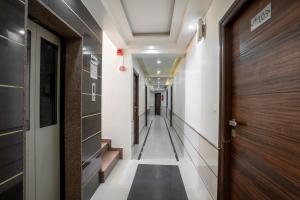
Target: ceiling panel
[
  {"x": 149, "y": 17},
  {"x": 151, "y": 65}
]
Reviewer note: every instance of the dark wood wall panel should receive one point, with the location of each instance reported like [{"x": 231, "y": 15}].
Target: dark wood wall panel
[
  {"x": 89, "y": 106},
  {"x": 11, "y": 155},
  {"x": 90, "y": 188},
  {"x": 265, "y": 95},
  {"x": 90, "y": 126},
  {"x": 87, "y": 83},
  {"x": 12, "y": 190},
  {"x": 90, "y": 168},
  {"x": 62, "y": 9},
  {"x": 12, "y": 20},
  {"x": 90, "y": 147},
  {"x": 11, "y": 109},
  {"x": 11, "y": 68},
  {"x": 12, "y": 47}
]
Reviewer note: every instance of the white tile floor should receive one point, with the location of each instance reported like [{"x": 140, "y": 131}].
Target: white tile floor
[{"x": 157, "y": 150}]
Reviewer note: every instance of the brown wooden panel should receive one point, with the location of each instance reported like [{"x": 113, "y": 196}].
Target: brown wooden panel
[
  {"x": 89, "y": 106},
  {"x": 91, "y": 187},
  {"x": 12, "y": 63},
  {"x": 11, "y": 109},
  {"x": 273, "y": 113},
  {"x": 265, "y": 88},
  {"x": 12, "y": 20},
  {"x": 91, "y": 168},
  {"x": 11, "y": 155},
  {"x": 279, "y": 49},
  {"x": 90, "y": 147},
  {"x": 12, "y": 190},
  {"x": 90, "y": 126}
]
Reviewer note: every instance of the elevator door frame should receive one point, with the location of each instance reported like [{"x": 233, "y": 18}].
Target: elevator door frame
[{"x": 36, "y": 187}]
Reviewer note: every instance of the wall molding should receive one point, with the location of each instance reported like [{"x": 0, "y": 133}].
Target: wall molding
[{"x": 201, "y": 135}]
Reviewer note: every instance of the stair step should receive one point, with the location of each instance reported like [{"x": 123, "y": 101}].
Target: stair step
[
  {"x": 109, "y": 160},
  {"x": 104, "y": 147}
]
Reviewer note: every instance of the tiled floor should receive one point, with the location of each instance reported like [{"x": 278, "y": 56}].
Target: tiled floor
[{"x": 157, "y": 150}]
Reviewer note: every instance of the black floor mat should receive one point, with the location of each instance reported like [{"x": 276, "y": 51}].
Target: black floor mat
[{"x": 157, "y": 182}]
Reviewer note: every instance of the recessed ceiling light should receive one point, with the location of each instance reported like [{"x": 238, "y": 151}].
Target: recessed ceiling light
[
  {"x": 191, "y": 27},
  {"x": 158, "y": 72},
  {"x": 151, "y": 47},
  {"x": 22, "y": 32},
  {"x": 83, "y": 48},
  {"x": 158, "y": 62}
]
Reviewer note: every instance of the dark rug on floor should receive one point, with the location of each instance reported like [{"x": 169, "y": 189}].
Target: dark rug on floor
[{"x": 157, "y": 182}]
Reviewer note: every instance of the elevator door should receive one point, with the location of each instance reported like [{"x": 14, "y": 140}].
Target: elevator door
[{"x": 42, "y": 138}]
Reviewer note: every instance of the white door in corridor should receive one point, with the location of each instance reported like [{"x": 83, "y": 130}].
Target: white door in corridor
[{"x": 42, "y": 137}]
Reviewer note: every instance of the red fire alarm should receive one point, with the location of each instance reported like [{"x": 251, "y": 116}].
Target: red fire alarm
[
  {"x": 120, "y": 52},
  {"x": 122, "y": 68}
]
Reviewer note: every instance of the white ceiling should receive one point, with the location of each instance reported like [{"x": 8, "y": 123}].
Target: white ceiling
[
  {"x": 152, "y": 66},
  {"x": 149, "y": 17},
  {"x": 150, "y": 29},
  {"x": 135, "y": 24}
]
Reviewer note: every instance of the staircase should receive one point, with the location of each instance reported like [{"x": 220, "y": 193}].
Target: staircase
[{"x": 110, "y": 157}]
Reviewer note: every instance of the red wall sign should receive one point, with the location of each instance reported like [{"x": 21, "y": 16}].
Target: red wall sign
[{"x": 120, "y": 52}]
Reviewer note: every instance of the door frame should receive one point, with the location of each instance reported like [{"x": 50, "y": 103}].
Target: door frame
[
  {"x": 225, "y": 97},
  {"x": 136, "y": 112},
  {"x": 37, "y": 33},
  {"x": 158, "y": 93},
  {"x": 171, "y": 109},
  {"x": 146, "y": 105}
]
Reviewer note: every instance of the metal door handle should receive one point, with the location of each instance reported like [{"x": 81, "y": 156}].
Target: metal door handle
[{"x": 234, "y": 123}]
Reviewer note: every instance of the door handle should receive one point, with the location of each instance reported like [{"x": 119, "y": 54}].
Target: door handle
[{"x": 234, "y": 124}]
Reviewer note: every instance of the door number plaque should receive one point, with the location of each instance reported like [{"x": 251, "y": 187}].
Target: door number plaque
[{"x": 261, "y": 17}]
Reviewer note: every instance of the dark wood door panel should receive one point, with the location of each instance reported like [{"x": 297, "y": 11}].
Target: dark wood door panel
[
  {"x": 276, "y": 114},
  {"x": 271, "y": 177},
  {"x": 262, "y": 68},
  {"x": 278, "y": 24}
]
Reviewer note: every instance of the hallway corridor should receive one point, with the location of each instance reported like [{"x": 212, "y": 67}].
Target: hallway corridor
[
  {"x": 158, "y": 145},
  {"x": 157, "y": 150}
]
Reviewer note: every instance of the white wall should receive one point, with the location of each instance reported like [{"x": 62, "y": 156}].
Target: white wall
[
  {"x": 116, "y": 98},
  {"x": 196, "y": 97},
  {"x": 196, "y": 85}
]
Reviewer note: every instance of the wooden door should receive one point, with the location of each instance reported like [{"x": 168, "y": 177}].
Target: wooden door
[
  {"x": 157, "y": 103},
  {"x": 260, "y": 91},
  {"x": 136, "y": 107},
  {"x": 146, "y": 106},
  {"x": 171, "y": 107}
]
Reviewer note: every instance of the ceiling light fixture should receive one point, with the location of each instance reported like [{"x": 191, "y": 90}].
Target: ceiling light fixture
[
  {"x": 191, "y": 27},
  {"x": 22, "y": 32},
  {"x": 151, "y": 47},
  {"x": 158, "y": 72},
  {"x": 83, "y": 48},
  {"x": 158, "y": 62}
]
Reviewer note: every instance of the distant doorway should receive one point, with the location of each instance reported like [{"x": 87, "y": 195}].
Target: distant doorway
[
  {"x": 157, "y": 103},
  {"x": 136, "y": 107}
]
